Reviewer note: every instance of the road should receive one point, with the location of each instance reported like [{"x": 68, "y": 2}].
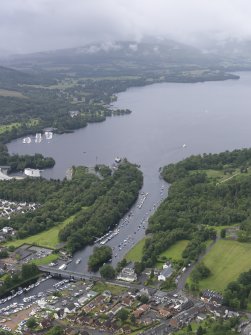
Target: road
[
  {"x": 183, "y": 278},
  {"x": 80, "y": 276}
]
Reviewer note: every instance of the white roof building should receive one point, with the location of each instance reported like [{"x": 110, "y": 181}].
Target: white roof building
[
  {"x": 165, "y": 273},
  {"x": 127, "y": 274}
]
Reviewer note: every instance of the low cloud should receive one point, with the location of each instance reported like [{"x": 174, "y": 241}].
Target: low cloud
[{"x": 37, "y": 25}]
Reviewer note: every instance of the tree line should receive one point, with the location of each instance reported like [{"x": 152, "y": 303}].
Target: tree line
[
  {"x": 237, "y": 295},
  {"x": 20, "y": 162}
]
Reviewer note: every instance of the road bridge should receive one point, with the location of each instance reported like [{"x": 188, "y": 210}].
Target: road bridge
[{"x": 68, "y": 274}]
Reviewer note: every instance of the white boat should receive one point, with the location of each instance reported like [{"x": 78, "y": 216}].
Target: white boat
[
  {"x": 62, "y": 267},
  {"x": 48, "y": 135},
  {"x": 78, "y": 261},
  {"x": 184, "y": 145},
  {"x": 38, "y": 138},
  {"x": 32, "y": 172},
  {"x": 27, "y": 140},
  {"x": 117, "y": 160}
]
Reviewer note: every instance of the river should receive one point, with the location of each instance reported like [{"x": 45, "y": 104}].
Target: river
[{"x": 206, "y": 117}]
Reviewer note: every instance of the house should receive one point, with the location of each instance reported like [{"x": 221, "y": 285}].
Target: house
[
  {"x": 160, "y": 296},
  {"x": 7, "y": 230},
  {"x": 111, "y": 325},
  {"x": 70, "y": 308},
  {"x": 166, "y": 265},
  {"x": 201, "y": 317},
  {"x": 127, "y": 301},
  {"x": 83, "y": 299},
  {"x": 147, "y": 321},
  {"x": 165, "y": 273},
  {"x": 73, "y": 113},
  {"x": 86, "y": 320},
  {"x": 164, "y": 313},
  {"x": 127, "y": 274},
  {"x": 115, "y": 309},
  {"x": 144, "y": 291},
  {"x": 107, "y": 295},
  {"x": 127, "y": 330},
  {"x": 45, "y": 323},
  {"x": 141, "y": 310},
  {"x": 91, "y": 294}
]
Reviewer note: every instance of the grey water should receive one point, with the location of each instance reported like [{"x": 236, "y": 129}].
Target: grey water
[{"x": 169, "y": 122}]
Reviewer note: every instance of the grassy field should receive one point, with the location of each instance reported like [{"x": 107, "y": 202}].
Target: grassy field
[
  {"x": 7, "y": 93},
  {"x": 226, "y": 260},
  {"x": 135, "y": 254},
  {"x": 45, "y": 260},
  {"x": 47, "y": 239},
  {"x": 220, "y": 177},
  {"x": 101, "y": 287},
  {"x": 175, "y": 251}
]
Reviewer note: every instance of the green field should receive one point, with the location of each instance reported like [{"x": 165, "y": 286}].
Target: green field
[
  {"x": 226, "y": 260},
  {"x": 175, "y": 251},
  {"x": 47, "y": 239},
  {"x": 45, "y": 260},
  {"x": 220, "y": 177},
  {"x": 135, "y": 254},
  {"x": 114, "y": 289},
  {"x": 7, "y": 93}
]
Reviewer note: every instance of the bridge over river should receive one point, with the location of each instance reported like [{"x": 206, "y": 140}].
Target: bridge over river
[{"x": 68, "y": 274}]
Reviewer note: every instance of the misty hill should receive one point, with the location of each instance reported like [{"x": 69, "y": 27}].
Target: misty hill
[
  {"x": 10, "y": 78},
  {"x": 130, "y": 56},
  {"x": 232, "y": 54}
]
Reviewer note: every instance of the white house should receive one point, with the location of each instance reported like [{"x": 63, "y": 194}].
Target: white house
[
  {"x": 127, "y": 274},
  {"x": 165, "y": 273}
]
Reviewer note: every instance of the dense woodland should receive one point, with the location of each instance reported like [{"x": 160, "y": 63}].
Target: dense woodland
[
  {"x": 100, "y": 256},
  {"x": 28, "y": 272},
  {"x": 117, "y": 195},
  {"x": 97, "y": 203},
  {"x": 237, "y": 295},
  {"x": 196, "y": 203},
  {"x": 20, "y": 162}
]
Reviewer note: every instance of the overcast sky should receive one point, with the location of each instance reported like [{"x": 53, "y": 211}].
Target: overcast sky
[{"x": 37, "y": 25}]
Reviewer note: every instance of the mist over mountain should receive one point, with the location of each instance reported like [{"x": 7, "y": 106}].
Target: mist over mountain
[
  {"x": 137, "y": 56},
  {"x": 148, "y": 53}
]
